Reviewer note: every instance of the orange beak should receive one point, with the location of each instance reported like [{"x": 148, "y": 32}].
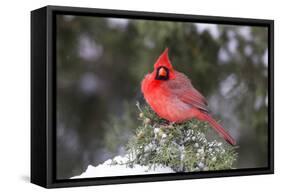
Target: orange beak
[{"x": 162, "y": 72}]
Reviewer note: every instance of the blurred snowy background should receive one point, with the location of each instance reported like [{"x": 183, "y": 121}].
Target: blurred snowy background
[{"x": 101, "y": 62}]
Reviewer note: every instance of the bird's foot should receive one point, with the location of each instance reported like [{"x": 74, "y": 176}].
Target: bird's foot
[
  {"x": 168, "y": 125},
  {"x": 171, "y": 124}
]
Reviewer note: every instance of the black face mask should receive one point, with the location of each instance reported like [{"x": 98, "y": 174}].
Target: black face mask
[{"x": 161, "y": 77}]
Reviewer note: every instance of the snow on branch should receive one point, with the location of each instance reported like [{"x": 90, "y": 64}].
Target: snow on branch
[{"x": 183, "y": 147}]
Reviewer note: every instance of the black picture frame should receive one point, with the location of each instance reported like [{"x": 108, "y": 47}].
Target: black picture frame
[{"x": 43, "y": 96}]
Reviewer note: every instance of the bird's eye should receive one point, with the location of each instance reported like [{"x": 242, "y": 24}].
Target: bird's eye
[{"x": 162, "y": 73}]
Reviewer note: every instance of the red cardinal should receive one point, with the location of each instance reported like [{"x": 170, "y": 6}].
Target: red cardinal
[{"x": 171, "y": 95}]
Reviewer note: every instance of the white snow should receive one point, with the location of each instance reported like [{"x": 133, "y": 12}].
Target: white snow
[
  {"x": 246, "y": 33},
  {"x": 110, "y": 168},
  {"x": 265, "y": 58},
  {"x": 228, "y": 84},
  {"x": 211, "y": 28},
  {"x": 118, "y": 23},
  {"x": 223, "y": 55},
  {"x": 88, "y": 48},
  {"x": 89, "y": 83}
]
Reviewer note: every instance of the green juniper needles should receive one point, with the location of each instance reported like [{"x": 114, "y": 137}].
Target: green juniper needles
[{"x": 182, "y": 147}]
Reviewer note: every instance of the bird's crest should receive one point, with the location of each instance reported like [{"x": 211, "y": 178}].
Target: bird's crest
[{"x": 163, "y": 60}]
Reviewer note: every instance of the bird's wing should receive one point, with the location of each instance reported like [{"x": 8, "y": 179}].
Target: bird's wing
[
  {"x": 194, "y": 98},
  {"x": 183, "y": 89}
]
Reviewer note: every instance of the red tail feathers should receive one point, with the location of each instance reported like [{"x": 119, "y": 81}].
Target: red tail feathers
[{"x": 219, "y": 129}]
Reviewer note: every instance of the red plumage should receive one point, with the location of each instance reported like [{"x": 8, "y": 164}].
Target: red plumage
[{"x": 171, "y": 95}]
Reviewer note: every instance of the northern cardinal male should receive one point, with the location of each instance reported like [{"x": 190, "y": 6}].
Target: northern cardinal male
[{"x": 171, "y": 95}]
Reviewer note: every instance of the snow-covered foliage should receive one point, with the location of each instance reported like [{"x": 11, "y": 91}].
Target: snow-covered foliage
[{"x": 183, "y": 147}]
